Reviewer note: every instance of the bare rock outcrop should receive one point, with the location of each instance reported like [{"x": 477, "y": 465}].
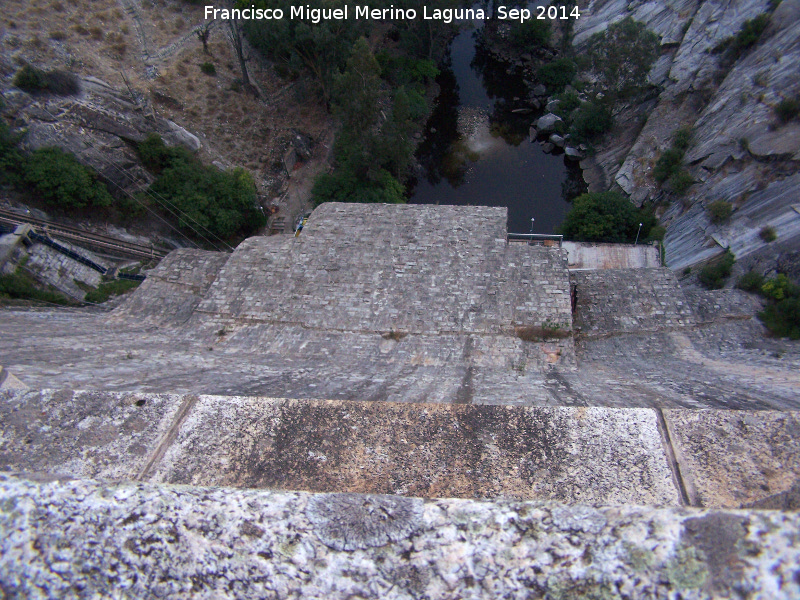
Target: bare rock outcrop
[
  {"x": 740, "y": 153},
  {"x": 100, "y": 126}
]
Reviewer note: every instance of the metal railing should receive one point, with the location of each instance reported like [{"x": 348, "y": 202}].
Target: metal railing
[{"x": 535, "y": 239}]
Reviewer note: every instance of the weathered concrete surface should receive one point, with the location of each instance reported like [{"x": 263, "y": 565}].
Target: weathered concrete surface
[
  {"x": 365, "y": 305},
  {"x": 614, "y": 301},
  {"x": 410, "y": 268},
  {"x": 576, "y": 455},
  {"x": 586, "y": 255},
  {"x": 731, "y": 458},
  {"x": 82, "y": 434},
  {"x": 79, "y": 538},
  {"x": 723, "y": 365},
  {"x": 172, "y": 290},
  {"x": 566, "y": 454}
]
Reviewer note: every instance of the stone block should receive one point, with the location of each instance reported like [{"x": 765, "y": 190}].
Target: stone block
[
  {"x": 86, "y": 538},
  {"x": 575, "y": 455},
  {"x": 730, "y": 458},
  {"x": 83, "y": 434}
]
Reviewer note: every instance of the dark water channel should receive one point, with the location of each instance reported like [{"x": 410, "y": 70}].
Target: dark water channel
[{"x": 494, "y": 163}]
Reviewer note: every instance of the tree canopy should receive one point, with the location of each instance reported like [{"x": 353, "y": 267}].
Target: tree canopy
[
  {"x": 622, "y": 56},
  {"x": 605, "y": 217},
  {"x": 221, "y": 202}
]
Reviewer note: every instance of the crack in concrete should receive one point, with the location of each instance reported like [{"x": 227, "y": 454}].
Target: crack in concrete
[{"x": 672, "y": 461}]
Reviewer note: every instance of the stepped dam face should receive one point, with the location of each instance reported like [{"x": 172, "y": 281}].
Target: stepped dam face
[{"x": 388, "y": 354}]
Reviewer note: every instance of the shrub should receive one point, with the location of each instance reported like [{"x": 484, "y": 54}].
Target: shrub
[
  {"x": 750, "y": 281},
  {"x": 208, "y": 68},
  {"x": 713, "y": 275},
  {"x": 223, "y": 203},
  {"x": 681, "y": 181},
  {"x": 682, "y": 138},
  {"x": 668, "y": 164},
  {"x": 605, "y": 217},
  {"x": 32, "y": 80},
  {"x": 530, "y": 34},
  {"x": 719, "y": 211},
  {"x": 782, "y": 315},
  {"x": 567, "y": 102},
  {"x": 622, "y": 55},
  {"x": 557, "y": 74},
  {"x": 783, "y": 318},
  {"x": 657, "y": 233},
  {"x": 768, "y": 234},
  {"x": 62, "y": 181},
  {"x": 591, "y": 121},
  {"x": 779, "y": 288},
  {"x": 747, "y": 37},
  {"x": 787, "y": 109}
]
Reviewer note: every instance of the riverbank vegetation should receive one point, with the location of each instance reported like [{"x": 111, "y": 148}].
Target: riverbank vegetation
[
  {"x": 376, "y": 78},
  {"x": 609, "y": 217}
]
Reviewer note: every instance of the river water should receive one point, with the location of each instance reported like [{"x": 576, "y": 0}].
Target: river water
[{"x": 487, "y": 158}]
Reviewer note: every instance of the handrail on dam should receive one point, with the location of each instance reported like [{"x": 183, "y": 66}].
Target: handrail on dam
[{"x": 535, "y": 239}]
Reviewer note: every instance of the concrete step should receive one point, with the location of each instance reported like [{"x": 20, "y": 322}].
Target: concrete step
[{"x": 573, "y": 455}]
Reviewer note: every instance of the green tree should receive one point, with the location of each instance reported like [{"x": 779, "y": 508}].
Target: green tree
[
  {"x": 622, "y": 55},
  {"x": 557, "y": 74},
  {"x": 301, "y": 47},
  {"x": 605, "y": 217},
  {"x": 62, "y": 181},
  {"x": 357, "y": 91},
  {"x": 10, "y": 156},
  {"x": 530, "y": 35},
  {"x": 222, "y": 202}
]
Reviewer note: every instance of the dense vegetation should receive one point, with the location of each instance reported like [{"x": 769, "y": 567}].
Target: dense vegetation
[
  {"x": 669, "y": 167},
  {"x": 52, "y": 174},
  {"x": 714, "y": 275},
  {"x": 205, "y": 198},
  {"x": 61, "y": 181},
  {"x": 376, "y": 85},
  {"x": 616, "y": 61},
  {"x": 207, "y": 202},
  {"x": 607, "y": 217},
  {"x": 35, "y": 80},
  {"x": 782, "y": 313}
]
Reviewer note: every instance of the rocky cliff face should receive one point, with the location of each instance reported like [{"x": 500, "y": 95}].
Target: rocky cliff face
[
  {"x": 100, "y": 127},
  {"x": 741, "y": 152}
]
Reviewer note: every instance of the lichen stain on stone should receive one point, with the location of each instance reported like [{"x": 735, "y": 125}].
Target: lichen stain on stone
[
  {"x": 353, "y": 522},
  {"x": 717, "y": 538},
  {"x": 582, "y": 589},
  {"x": 686, "y": 569}
]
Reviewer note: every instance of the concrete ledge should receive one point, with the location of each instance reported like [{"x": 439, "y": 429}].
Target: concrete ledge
[
  {"x": 576, "y": 455},
  {"x": 732, "y": 458},
  {"x": 83, "y": 434},
  {"x": 608, "y": 456},
  {"x": 80, "y": 538}
]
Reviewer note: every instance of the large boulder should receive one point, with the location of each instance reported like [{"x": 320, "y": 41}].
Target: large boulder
[{"x": 548, "y": 123}]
